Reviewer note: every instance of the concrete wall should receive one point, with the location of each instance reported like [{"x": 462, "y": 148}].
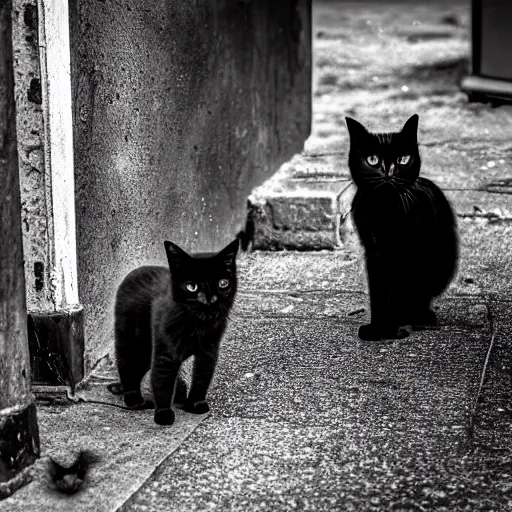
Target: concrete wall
[{"x": 180, "y": 109}]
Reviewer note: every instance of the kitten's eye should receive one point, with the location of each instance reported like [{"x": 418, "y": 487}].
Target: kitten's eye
[
  {"x": 373, "y": 160},
  {"x": 223, "y": 283},
  {"x": 404, "y": 160},
  {"x": 191, "y": 287}
]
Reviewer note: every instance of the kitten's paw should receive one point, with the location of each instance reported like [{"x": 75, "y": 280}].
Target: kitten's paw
[
  {"x": 164, "y": 417},
  {"x": 398, "y": 334},
  {"x": 133, "y": 399},
  {"x": 369, "y": 332},
  {"x": 201, "y": 407},
  {"x": 116, "y": 388},
  {"x": 395, "y": 333}
]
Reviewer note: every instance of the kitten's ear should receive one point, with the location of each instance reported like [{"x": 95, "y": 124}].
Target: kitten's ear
[
  {"x": 175, "y": 254},
  {"x": 356, "y": 130},
  {"x": 228, "y": 254},
  {"x": 410, "y": 129}
]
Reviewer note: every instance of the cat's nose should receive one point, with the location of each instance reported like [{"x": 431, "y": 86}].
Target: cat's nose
[
  {"x": 213, "y": 299},
  {"x": 391, "y": 170},
  {"x": 201, "y": 297}
]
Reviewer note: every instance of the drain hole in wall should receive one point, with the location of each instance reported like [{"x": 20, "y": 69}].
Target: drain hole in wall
[{"x": 39, "y": 275}]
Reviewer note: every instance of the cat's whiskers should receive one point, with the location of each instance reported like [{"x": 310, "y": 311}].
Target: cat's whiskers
[
  {"x": 407, "y": 201},
  {"x": 412, "y": 197},
  {"x": 395, "y": 186},
  {"x": 378, "y": 182},
  {"x": 405, "y": 189}
]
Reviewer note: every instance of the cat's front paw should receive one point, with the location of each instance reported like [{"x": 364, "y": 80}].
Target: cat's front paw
[
  {"x": 201, "y": 407},
  {"x": 397, "y": 334},
  {"x": 370, "y": 332},
  {"x": 164, "y": 417}
]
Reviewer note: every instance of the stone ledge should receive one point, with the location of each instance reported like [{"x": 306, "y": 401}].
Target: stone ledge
[{"x": 304, "y": 206}]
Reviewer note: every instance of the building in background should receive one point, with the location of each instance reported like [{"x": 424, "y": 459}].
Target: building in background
[{"x": 491, "y": 77}]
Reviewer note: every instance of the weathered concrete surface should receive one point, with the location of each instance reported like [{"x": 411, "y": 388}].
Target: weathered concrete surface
[
  {"x": 127, "y": 444},
  {"x": 19, "y": 439},
  {"x": 181, "y": 108},
  {"x": 305, "y": 416},
  {"x": 34, "y": 182},
  {"x": 493, "y": 422},
  {"x": 43, "y": 101},
  {"x": 303, "y": 206}
]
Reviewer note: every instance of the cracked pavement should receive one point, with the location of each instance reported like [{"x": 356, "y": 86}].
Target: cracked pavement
[{"x": 305, "y": 416}]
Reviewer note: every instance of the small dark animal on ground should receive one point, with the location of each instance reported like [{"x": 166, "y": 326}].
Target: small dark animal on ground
[
  {"x": 69, "y": 479},
  {"x": 407, "y": 228},
  {"x": 165, "y": 315}
]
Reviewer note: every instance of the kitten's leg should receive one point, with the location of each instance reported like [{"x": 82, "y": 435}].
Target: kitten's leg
[
  {"x": 180, "y": 394},
  {"x": 377, "y": 285},
  {"x": 204, "y": 368},
  {"x": 384, "y": 300},
  {"x": 394, "y": 307},
  {"x": 131, "y": 363},
  {"x": 163, "y": 379}
]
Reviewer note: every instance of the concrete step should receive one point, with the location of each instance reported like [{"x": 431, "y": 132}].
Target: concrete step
[{"x": 304, "y": 206}]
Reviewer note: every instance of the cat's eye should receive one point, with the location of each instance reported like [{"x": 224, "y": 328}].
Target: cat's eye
[
  {"x": 404, "y": 160},
  {"x": 223, "y": 283},
  {"x": 373, "y": 159},
  {"x": 191, "y": 287}
]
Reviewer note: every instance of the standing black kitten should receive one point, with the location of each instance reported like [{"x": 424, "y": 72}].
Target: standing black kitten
[
  {"x": 163, "y": 316},
  {"x": 406, "y": 226}
]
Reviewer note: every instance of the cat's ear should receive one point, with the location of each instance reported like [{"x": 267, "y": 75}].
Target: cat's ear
[
  {"x": 410, "y": 129},
  {"x": 228, "y": 254},
  {"x": 356, "y": 130},
  {"x": 175, "y": 254}
]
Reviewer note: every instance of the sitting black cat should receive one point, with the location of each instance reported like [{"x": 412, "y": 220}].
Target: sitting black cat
[
  {"x": 407, "y": 228},
  {"x": 165, "y": 315}
]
